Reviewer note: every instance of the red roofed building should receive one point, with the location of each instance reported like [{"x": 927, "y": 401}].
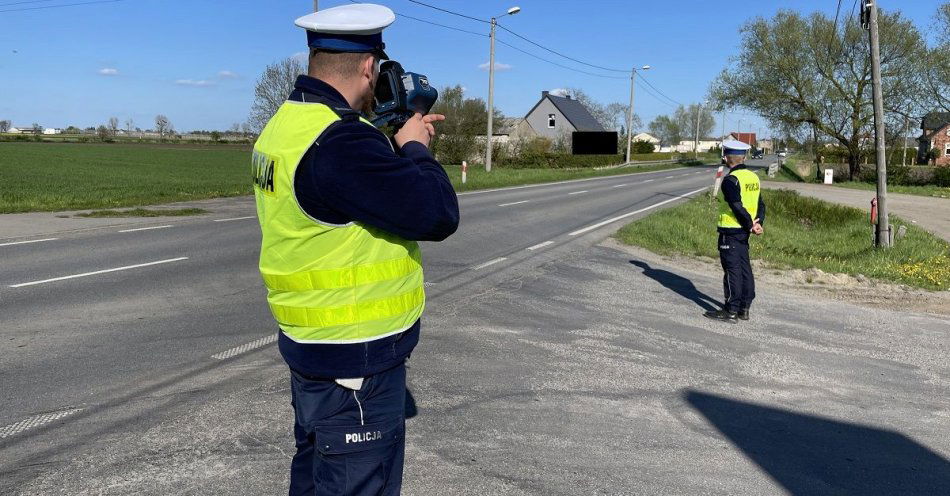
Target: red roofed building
[{"x": 747, "y": 138}]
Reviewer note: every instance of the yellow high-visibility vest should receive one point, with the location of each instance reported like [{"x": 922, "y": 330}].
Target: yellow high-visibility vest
[
  {"x": 749, "y": 189},
  {"x": 326, "y": 283}
]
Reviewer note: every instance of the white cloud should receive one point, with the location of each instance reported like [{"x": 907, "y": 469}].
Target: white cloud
[
  {"x": 228, "y": 75},
  {"x": 498, "y": 66},
  {"x": 109, "y": 71},
  {"x": 559, "y": 92},
  {"x": 194, "y": 82}
]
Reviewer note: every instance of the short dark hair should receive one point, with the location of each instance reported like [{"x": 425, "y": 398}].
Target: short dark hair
[{"x": 338, "y": 64}]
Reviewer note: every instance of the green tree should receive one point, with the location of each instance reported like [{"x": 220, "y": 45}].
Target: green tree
[
  {"x": 666, "y": 129},
  {"x": 795, "y": 70},
  {"x": 643, "y": 147},
  {"x": 215, "y": 136},
  {"x": 465, "y": 118}
]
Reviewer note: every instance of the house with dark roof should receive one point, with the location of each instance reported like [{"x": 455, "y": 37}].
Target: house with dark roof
[
  {"x": 935, "y": 128},
  {"x": 556, "y": 117}
]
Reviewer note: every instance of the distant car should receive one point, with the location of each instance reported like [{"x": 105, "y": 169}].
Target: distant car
[
  {"x": 783, "y": 154},
  {"x": 758, "y": 154}
]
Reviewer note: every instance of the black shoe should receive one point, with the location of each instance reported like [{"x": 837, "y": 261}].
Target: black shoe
[
  {"x": 744, "y": 314},
  {"x": 722, "y": 316}
]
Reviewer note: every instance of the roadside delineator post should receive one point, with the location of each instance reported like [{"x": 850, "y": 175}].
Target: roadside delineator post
[
  {"x": 464, "y": 171},
  {"x": 717, "y": 182}
]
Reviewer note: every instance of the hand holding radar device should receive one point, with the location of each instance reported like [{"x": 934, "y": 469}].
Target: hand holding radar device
[{"x": 400, "y": 94}]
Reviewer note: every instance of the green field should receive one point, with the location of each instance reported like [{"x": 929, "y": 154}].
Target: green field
[
  {"x": 54, "y": 176},
  {"x": 801, "y": 233},
  {"x": 79, "y": 176}
]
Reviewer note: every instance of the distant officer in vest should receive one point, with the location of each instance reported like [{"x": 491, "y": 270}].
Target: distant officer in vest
[
  {"x": 341, "y": 208},
  {"x": 741, "y": 213}
]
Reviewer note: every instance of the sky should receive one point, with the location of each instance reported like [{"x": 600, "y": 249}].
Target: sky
[{"x": 197, "y": 61}]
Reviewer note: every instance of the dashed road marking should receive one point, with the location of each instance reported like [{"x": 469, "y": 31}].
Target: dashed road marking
[
  {"x": 538, "y": 185},
  {"x": 513, "y": 203},
  {"x": 27, "y": 242},
  {"x": 635, "y": 212},
  {"x": 648, "y": 180},
  {"x": 246, "y": 347},
  {"x": 146, "y": 228},
  {"x": 35, "y": 421},
  {"x": 540, "y": 245},
  {"x": 127, "y": 267},
  {"x": 577, "y": 192},
  {"x": 668, "y": 177},
  {"x": 490, "y": 262},
  {"x": 619, "y": 185},
  {"x": 236, "y": 218}
]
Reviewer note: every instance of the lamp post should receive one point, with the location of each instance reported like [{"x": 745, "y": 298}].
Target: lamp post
[
  {"x": 696, "y": 147},
  {"x": 633, "y": 75},
  {"x": 491, "y": 86}
]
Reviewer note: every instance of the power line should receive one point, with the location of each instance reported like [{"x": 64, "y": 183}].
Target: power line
[
  {"x": 555, "y": 63},
  {"x": 453, "y": 28},
  {"x": 57, "y": 6},
  {"x": 655, "y": 89},
  {"x": 449, "y": 11},
  {"x": 561, "y": 54},
  {"x": 30, "y": 1}
]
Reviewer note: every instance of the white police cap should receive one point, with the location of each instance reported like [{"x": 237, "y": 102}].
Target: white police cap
[
  {"x": 348, "y": 28},
  {"x": 735, "y": 147}
]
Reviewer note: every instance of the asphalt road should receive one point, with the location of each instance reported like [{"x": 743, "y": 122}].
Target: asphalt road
[{"x": 96, "y": 324}]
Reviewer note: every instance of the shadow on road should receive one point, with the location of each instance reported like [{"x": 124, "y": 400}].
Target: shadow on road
[
  {"x": 679, "y": 285},
  {"x": 809, "y": 455}
]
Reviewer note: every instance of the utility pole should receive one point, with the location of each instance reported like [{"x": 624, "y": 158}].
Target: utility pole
[
  {"x": 904, "y": 141},
  {"x": 633, "y": 77},
  {"x": 491, "y": 96},
  {"x": 315, "y": 5},
  {"x": 883, "y": 226},
  {"x": 696, "y": 145}
]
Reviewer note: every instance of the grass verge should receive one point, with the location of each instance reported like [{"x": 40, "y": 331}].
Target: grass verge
[
  {"x": 72, "y": 176},
  {"x": 928, "y": 190},
  {"x": 145, "y": 212},
  {"x": 500, "y": 178},
  {"x": 802, "y": 233}
]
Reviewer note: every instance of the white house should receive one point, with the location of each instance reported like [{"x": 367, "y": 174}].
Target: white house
[
  {"x": 647, "y": 137},
  {"x": 52, "y": 130},
  {"x": 704, "y": 145}
]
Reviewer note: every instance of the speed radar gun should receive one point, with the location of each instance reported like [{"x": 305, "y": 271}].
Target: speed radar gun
[{"x": 400, "y": 94}]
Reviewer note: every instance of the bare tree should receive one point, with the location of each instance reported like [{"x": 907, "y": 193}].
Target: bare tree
[
  {"x": 272, "y": 89},
  {"x": 4, "y": 126},
  {"x": 936, "y": 65},
  {"x": 162, "y": 125},
  {"x": 37, "y": 129},
  {"x": 245, "y": 129},
  {"x": 129, "y": 124},
  {"x": 235, "y": 129},
  {"x": 114, "y": 125},
  {"x": 612, "y": 116}
]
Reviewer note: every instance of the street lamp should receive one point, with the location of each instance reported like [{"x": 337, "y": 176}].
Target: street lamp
[
  {"x": 633, "y": 75},
  {"x": 696, "y": 148},
  {"x": 491, "y": 85}
]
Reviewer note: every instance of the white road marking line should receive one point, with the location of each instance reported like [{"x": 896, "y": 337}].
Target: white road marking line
[
  {"x": 490, "y": 262},
  {"x": 648, "y": 180},
  {"x": 668, "y": 177},
  {"x": 571, "y": 181},
  {"x": 236, "y": 218},
  {"x": 246, "y": 347},
  {"x": 577, "y": 192},
  {"x": 614, "y": 219},
  {"x": 146, "y": 228},
  {"x": 127, "y": 267},
  {"x": 35, "y": 421},
  {"x": 540, "y": 245},
  {"x": 27, "y": 242},
  {"x": 513, "y": 203},
  {"x": 619, "y": 185}
]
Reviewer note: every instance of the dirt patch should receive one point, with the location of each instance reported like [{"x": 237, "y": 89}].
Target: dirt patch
[{"x": 814, "y": 283}]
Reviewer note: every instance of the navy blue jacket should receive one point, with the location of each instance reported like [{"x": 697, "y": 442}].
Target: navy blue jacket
[
  {"x": 733, "y": 196},
  {"x": 351, "y": 174}
]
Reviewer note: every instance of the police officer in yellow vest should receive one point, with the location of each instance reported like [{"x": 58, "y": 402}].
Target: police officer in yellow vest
[
  {"x": 341, "y": 207},
  {"x": 741, "y": 213}
]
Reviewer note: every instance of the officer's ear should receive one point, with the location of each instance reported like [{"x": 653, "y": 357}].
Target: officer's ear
[{"x": 368, "y": 67}]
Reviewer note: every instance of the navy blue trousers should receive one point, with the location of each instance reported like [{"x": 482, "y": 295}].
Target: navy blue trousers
[
  {"x": 738, "y": 285},
  {"x": 349, "y": 442}
]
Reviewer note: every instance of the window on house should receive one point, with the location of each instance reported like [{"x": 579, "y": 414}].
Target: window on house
[
  {"x": 551, "y": 120},
  {"x": 946, "y": 152}
]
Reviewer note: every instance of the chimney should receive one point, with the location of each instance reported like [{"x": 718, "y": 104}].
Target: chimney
[
  {"x": 544, "y": 93},
  {"x": 568, "y": 96}
]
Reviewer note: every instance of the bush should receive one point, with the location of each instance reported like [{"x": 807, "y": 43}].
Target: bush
[
  {"x": 556, "y": 161},
  {"x": 942, "y": 176},
  {"x": 643, "y": 147}
]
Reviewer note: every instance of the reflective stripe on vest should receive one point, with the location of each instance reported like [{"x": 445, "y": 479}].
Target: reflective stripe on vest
[
  {"x": 326, "y": 283},
  {"x": 749, "y": 191}
]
